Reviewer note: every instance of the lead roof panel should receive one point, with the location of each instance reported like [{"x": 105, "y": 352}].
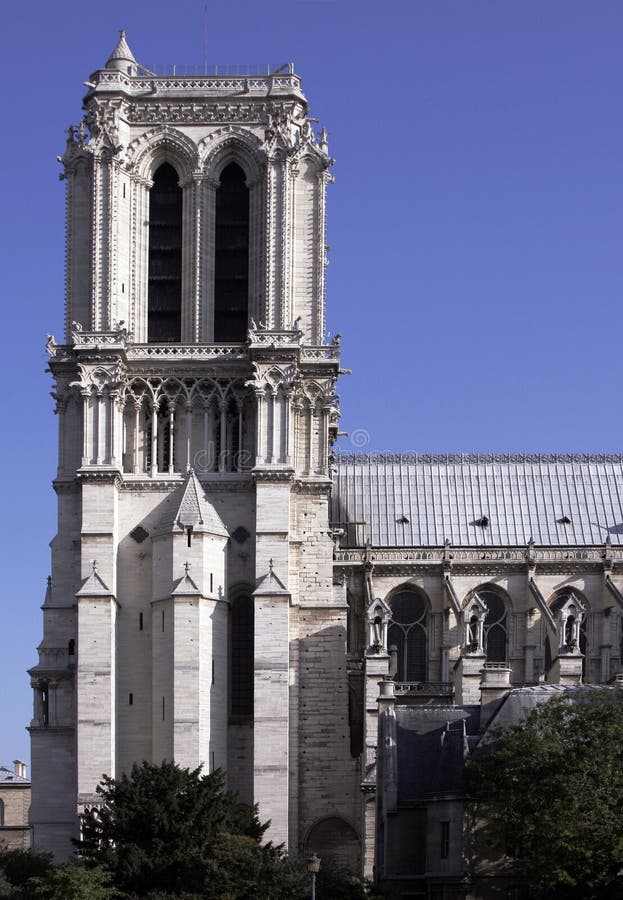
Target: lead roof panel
[{"x": 419, "y": 500}]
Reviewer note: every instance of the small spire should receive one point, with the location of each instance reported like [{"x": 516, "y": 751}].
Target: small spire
[
  {"x": 187, "y": 568},
  {"x": 270, "y": 567},
  {"x": 94, "y": 566},
  {"x": 122, "y": 58}
]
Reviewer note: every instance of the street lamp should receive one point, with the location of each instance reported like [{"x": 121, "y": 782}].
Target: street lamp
[{"x": 313, "y": 867}]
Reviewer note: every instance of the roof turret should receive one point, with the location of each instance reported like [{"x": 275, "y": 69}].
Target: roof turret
[{"x": 122, "y": 58}]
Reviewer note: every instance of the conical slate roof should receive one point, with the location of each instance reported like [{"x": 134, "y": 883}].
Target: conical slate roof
[
  {"x": 121, "y": 54},
  {"x": 189, "y": 507},
  {"x": 94, "y": 586}
]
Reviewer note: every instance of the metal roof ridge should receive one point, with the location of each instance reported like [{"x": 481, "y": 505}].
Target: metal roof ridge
[{"x": 376, "y": 458}]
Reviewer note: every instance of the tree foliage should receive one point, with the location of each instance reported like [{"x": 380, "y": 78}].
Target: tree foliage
[
  {"x": 74, "y": 881},
  {"x": 551, "y": 791},
  {"x": 163, "y": 832},
  {"x": 156, "y": 827},
  {"x": 18, "y": 866}
]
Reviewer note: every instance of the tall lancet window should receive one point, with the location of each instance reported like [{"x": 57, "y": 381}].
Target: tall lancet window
[
  {"x": 407, "y": 633},
  {"x": 165, "y": 257},
  {"x": 231, "y": 257}
]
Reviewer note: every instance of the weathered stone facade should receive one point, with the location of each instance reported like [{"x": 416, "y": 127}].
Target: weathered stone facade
[
  {"x": 14, "y": 807},
  {"x": 224, "y": 591}
]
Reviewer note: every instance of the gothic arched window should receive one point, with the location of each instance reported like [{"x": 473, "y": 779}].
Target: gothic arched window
[
  {"x": 231, "y": 256},
  {"x": 407, "y": 632},
  {"x": 495, "y": 627},
  {"x": 242, "y": 655},
  {"x": 164, "y": 303}
]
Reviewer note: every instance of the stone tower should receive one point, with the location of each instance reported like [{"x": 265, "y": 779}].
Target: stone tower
[{"x": 191, "y": 612}]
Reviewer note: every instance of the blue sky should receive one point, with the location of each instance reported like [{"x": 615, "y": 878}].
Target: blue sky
[{"x": 475, "y": 228}]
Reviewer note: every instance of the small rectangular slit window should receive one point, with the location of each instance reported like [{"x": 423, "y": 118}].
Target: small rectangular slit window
[
  {"x": 163, "y": 620},
  {"x": 444, "y": 843},
  {"x": 211, "y": 582},
  {"x": 140, "y": 621},
  {"x": 131, "y": 699},
  {"x": 163, "y": 709},
  {"x": 212, "y": 671}
]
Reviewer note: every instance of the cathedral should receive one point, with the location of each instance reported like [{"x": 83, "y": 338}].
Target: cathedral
[{"x": 333, "y": 630}]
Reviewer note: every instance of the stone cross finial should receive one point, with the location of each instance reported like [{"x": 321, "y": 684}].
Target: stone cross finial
[
  {"x": 94, "y": 566},
  {"x": 270, "y": 567},
  {"x": 186, "y": 567}
]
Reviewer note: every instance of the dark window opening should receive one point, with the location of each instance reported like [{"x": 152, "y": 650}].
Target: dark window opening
[
  {"x": 71, "y": 648},
  {"x": 45, "y": 703},
  {"x": 1, "y": 813},
  {"x": 407, "y": 632},
  {"x": 163, "y": 709},
  {"x": 444, "y": 842},
  {"x": 163, "y": 620},
  {"x": 495, "y": 633},
  {"x": 165, "y": 257},
  {"x": 242, "y": 652},
  {"x": 231, "y": 257},
  {"x": 140, "y": 621},
  {"x": 131, "y": 699}
]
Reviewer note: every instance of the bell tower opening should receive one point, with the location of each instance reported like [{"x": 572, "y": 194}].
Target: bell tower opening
[
  {"x": 164, "y": 320},
  {"x": 231, "y": 256}
]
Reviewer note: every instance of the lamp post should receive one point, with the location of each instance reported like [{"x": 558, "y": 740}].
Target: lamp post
[{"x": 313, "y": 867}]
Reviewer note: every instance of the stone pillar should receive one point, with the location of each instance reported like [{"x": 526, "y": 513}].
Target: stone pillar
[
  {"x": 272, "y": 654},
  {"x": 494, "y": 686},
  {"x": 95, "y": 687},
  {"x": 467, "y": 672},
  {"x": 376, "y": 669},
  {"x": 566, "y": 668}
]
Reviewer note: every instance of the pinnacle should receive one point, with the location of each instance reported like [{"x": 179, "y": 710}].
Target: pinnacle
[{"x": 121, "y": 54}]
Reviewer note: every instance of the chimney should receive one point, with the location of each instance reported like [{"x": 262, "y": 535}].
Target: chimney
[{"x": 19, "y": 768}]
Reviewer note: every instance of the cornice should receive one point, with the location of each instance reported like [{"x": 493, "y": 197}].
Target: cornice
[
  {"x": 100, "y": 476},
  {"x": 494, "y": 561},
  {"x": 276, "y": 475},
  {"x": 66, "y": 487}
]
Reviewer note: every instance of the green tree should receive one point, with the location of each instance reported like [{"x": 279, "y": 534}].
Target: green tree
[
  {"x": 75, "y": 881},
  {"x": 18, "y": 866},
  {"x": 156, "y": 827},
  {"x": 551, "y": 793}
]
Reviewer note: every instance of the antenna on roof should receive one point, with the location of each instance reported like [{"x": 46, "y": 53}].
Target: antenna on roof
[{"x": 205, "y": 37}]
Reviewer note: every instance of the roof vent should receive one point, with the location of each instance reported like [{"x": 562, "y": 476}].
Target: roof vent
[
  {"x": 564, "y": 520},
  {"x": 482, "y": 522}
]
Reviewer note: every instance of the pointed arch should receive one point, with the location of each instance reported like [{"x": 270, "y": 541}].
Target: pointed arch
[
  {"x": 233, "y": 179},
  {"x": 164, "y": 144},
  {"x": 164, "y": 287},
  {"x": 408, "y": 631}
]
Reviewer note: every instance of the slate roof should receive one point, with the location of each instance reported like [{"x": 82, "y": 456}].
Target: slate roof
[
  {"x": 122, "y": 50},
  {"x": 189, "y": 506},
  {"x": 519, "y": 703},
  {"x": 420, "y": 500},
  {"x": 7, "y": 776},
  {"x": 430, "y": 743}
]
